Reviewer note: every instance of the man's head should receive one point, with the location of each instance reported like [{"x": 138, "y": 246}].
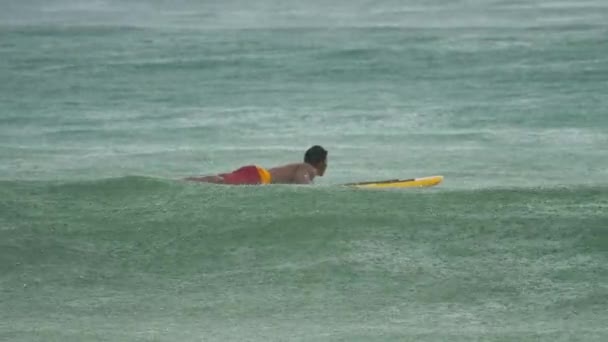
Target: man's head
[{"x": 317, "y": 157}]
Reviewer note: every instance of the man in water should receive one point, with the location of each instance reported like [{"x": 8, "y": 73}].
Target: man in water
[{"x": 315, "y": 163}]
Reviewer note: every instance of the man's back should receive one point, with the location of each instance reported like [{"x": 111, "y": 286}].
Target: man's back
[{"x": 298, "y": 173}]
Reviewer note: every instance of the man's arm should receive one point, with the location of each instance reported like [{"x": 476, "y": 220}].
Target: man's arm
[{"x": 303, "y": 175}]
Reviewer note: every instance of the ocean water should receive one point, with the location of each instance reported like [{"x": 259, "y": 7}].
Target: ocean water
[{"x": 106, "y": 105}]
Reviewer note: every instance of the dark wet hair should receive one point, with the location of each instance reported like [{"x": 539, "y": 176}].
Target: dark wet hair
[{"x": 315, "y": 155}]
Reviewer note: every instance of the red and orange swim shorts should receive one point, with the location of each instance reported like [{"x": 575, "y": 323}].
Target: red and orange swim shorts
[{"x": 250, "y": 174}]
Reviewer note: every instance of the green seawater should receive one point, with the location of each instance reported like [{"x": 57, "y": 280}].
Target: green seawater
[{"x": 106, "y": 105}]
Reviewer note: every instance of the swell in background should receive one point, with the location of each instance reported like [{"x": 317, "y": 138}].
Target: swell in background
[{"x": 489, "y": 94}]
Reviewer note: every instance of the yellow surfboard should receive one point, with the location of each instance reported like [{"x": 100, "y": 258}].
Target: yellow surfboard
[{"x": 400, "y": 183}]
